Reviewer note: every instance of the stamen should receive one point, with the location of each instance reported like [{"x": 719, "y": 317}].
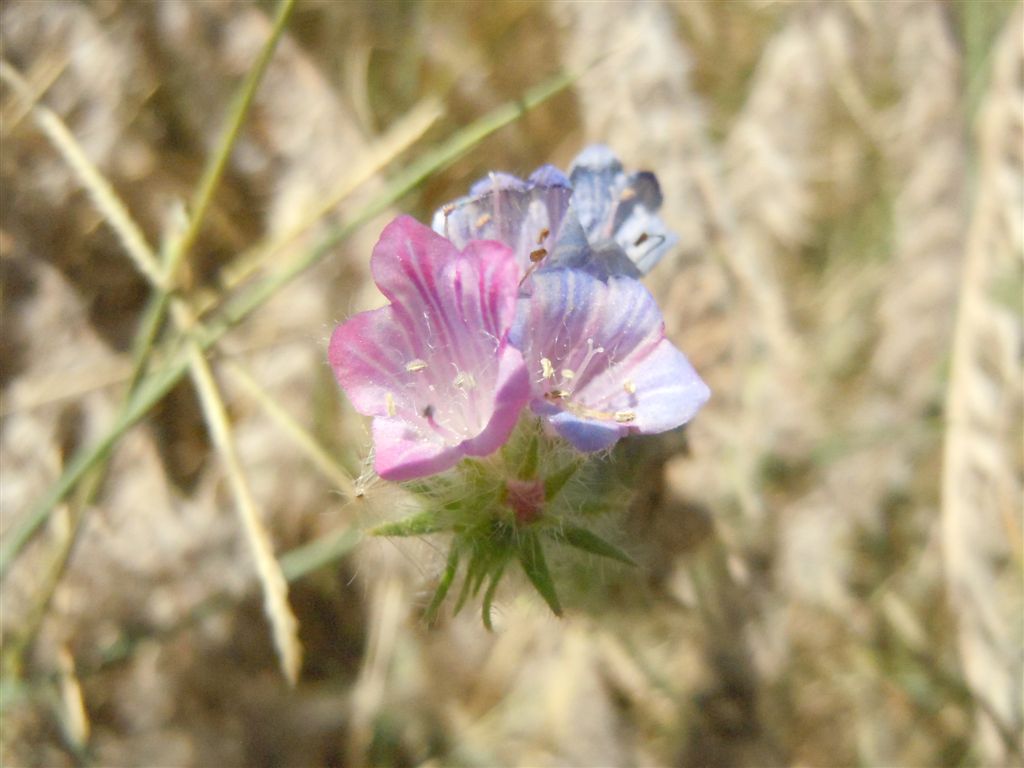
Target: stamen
[
  {"x": 538, "y": 254},
  {"x": 543, "y": 235},
  {"x": 389, "y": 402},
  {"x": 627, "y": 194},
  {"x": 641, "y": 240},
  {"x": 591, "y": 352},
  {"x": 464, "y": 381},
  {"x": 415, "y": 365},
  {"x": 546, "y": 368},
  {"x": 624, "y": 417},
  {"x": 629, "y": 386},
  {"x": 428, "y": 413},
  {"x": 568, "y": 374},
  {"x": 557, "y": 394},
  {"x": 482, "y": 220}
]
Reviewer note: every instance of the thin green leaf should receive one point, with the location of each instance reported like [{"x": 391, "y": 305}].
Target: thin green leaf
[
  {"x": 581, "y": 538},
  {"x": 531, "y": 557}
]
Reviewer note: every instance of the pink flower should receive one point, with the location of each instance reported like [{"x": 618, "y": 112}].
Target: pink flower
[{"x": 434, "y": 368}]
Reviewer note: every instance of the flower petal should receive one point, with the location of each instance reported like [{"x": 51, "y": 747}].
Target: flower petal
[
  {"x": 400, "y": 452},
  {"x": 434, "y": 367},
  {"x": 529, "y": 216},
  {"x": 599, "y": 362},
  {"x": 619, "y": 210}
]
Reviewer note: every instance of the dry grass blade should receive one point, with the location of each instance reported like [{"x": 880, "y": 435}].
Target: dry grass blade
[
  {"x": 275, "y": 587},
  {"x": 73, "y": 718},
  {"x": 95, "y": 184},
  {"x": 315, "y": 452},
  {"x": 40, "y": 78},
  {"x": 981, "y": 483},
  {"x": 410, "y": 128}
]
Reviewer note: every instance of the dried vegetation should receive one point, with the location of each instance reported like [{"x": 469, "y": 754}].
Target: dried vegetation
[{"x": 831, "y": 559}]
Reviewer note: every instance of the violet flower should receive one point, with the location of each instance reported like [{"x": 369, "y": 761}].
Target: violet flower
[
  {"x": 598, "y": 219},
  {"x": 599, "y": 362},
  {"x": 434, "y": 368},
  {"x": 532, "y": 217}
]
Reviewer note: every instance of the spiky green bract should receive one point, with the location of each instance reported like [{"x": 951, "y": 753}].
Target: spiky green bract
[{"x": 511, "y": 507}]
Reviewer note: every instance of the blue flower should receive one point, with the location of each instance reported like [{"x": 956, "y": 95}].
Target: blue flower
[
  {"x": 598, "y": 219},
  {"x": 617, "y": 210}
]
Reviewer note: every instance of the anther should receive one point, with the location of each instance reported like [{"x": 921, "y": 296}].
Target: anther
[
  {"x": 415, "y": 365},
  {"x": 547, "y": 370},
  {"x": 538, "y": 255},
  {"x": 557, "y": 394},
  {"x": 568, "y": 374},
  {"x": 624, "y": 417},
  {"x": 464, "y": 381},
  {"x": 484, "y": 218},
  {"x": 543, "y": 235},
  {"x": 629, "y": 386},
  {"x": 389, "y": 402}
]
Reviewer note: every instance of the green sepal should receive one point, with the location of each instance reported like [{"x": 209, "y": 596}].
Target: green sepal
[
  {"x": 555, "y": 482},
  {"x": 528, "y": 469},
  {"x": 418, "y": 525},
  {"x": 476, "y": 571},
  {"x": 430, "y": 615},
  {"x": 581, "y": 538},
  {"x": 531, "y": 557},
  {"x": 489, "y": 594}
]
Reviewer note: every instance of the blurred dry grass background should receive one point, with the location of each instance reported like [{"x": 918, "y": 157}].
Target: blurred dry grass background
[{"x": 831, "y": 559}]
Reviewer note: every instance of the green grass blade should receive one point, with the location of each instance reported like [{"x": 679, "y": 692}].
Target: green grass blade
[
  {"x": 214, "y": 169},
  {"x": 160, "y": 382},
  {"x": 318, "y": 553}
]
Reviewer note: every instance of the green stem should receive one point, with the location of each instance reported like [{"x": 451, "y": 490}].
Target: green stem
[
  {"x": 218, "y": 162},
  {"x": 156, "y": 385}
]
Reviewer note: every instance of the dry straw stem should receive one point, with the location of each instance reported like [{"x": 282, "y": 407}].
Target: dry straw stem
[
  {"x": 99, "y": 189},
  {"x": 27, "y": 395},
  {"x": 275, "y": 588},
  {"x": 981, "y": 482},
  {"x": 408, "y": 130},
  {"x": 72, "y": 715},
  {"x": 159, "y": 382},
  {"x": 283, "y": 623},
  {"x": 314, "y": 451}
]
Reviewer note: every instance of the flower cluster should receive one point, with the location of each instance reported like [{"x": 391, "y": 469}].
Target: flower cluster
[{"x": 525, "y": 293}]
